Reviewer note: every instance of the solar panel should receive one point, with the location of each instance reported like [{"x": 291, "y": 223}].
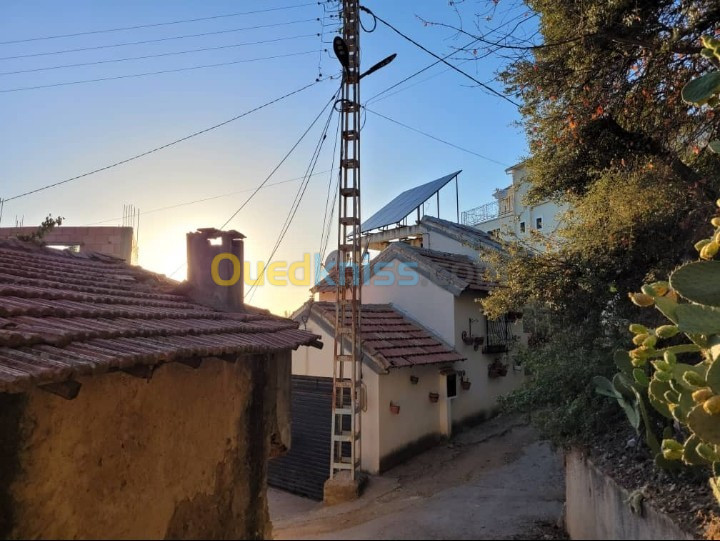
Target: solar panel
[{"x": 405, "y": 203}]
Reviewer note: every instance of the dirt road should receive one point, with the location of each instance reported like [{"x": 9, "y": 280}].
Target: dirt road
[{"x": 495, "y": 481}]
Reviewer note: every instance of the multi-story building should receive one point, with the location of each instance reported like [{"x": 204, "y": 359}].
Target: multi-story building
[{"x": 510, "y": 215}]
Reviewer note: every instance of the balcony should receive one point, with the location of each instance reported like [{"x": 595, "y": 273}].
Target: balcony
[
  {"x": 502, "y": 206},
  {"x": 499, "y": 335}
]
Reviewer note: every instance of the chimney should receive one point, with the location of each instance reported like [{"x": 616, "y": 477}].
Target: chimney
[{"x": 216, "y": 282}]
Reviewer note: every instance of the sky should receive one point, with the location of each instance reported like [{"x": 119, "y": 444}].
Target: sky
[{"x": 60, "y": 130}]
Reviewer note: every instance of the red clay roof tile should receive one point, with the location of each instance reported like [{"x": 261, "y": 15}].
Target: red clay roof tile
[
  {"x": 63, "y": 315},
  {"x": 392, "y": 339}
]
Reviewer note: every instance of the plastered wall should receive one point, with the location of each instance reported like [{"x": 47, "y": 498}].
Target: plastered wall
[{"x": 182, "y": 455}]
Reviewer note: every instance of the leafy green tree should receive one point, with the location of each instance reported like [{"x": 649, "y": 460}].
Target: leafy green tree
[{"x": 610, "y": 134}]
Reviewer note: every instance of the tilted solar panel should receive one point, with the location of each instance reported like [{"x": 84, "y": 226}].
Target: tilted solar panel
[{"x": 405, "y": 203}]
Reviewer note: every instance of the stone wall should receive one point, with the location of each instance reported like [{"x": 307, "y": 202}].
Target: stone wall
[
  {"x": 114, "y": 241},
  {"x": 182, "y": 455},
  {"x": 598, "y": 508}
]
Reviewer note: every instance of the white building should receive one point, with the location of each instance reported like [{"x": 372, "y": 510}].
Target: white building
[
  {"x": 423, "y": 332},
  {"x": 432, "y": 362},
  {"x": 509, "y": 215}
]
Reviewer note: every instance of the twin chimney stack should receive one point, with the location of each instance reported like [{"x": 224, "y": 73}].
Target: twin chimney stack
[{"x": 216, "y": 267}]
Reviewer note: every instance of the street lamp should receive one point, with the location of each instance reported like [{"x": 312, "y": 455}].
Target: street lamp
[
  {"x": 343, "y": 55},
  {"x": 380, "y": 65}
]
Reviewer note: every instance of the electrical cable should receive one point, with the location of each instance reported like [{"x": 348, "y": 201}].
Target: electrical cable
[
  {"x": 435, "y": 138},
  {"x": 158, "y": 40},
  {"x": 441, "y": 59},
  {"x": 167, "y": 145},
  {"x": 329, "y": 191},
  {"x": 145, "y": 57},
  {"x": 284, "y": 159},
  {"x": 463, "y": 48},
  {"x": 204, "y": 199},
  {"x": 299, "y": 196},
  {"x": 155, "y": 25},
  {"x": 151, "y": 73},
  {"x": 417, "y": 73}
]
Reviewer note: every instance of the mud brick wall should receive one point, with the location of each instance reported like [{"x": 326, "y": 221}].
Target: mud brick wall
[{"x": 181, "y": 455}]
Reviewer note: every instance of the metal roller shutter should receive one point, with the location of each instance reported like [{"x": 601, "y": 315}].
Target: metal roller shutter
[{"x": 306, "y": 467}]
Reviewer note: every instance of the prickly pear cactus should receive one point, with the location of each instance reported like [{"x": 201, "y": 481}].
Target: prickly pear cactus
[
  {"x": 705, "y": 90},
  {"x": 682, "y": 381}
]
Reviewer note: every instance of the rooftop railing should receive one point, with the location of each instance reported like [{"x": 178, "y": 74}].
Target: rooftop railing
[{"x": 488, "y": 211}]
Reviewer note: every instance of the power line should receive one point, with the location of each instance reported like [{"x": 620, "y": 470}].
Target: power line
[
  {"x": 441, "y": 59},
  {"x": 155, "y": 25},
  {"x": 388, "y": 89},
  {"x": 292, "y": 149},
  {"x": 158, "y": 40},
  {"x": 436, "y": 138},
  {"x": 275, "y": 169},
  {"x": 299, "y": 196},
  {"x": 463, "y": 48},
  {"x": 174, "y": 53},
  {"x": 150, "y": 73},
  {"x": 156, "y": 149},
  {"x": 327, "y": 220},
  {"x": 205, "y": 199}
]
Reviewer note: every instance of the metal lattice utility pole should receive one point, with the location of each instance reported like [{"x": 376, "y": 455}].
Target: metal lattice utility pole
[{"x": 347, "y": 366}]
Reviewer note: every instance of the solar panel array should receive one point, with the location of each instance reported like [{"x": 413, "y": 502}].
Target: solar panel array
[{"x": 405, "y": 203}]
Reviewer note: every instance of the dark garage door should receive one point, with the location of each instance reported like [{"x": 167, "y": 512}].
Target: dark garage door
[{"x": 306, "y": 467}]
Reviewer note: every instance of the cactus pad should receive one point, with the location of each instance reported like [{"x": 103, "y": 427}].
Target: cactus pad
[
  {"x": 690, "y": 455},
  {"x": 704, "y": 425},
  {"x": 713, "y": 376},
  {"x": 700, "y": 90},
  {"x": 696, "y": 318}
]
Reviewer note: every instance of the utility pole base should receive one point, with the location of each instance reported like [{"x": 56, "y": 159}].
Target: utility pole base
[{"x": 342, "y": 489}]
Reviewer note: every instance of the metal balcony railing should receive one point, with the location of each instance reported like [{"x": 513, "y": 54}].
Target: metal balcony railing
[
  {"x": 488, "y": 211},
  {"x": 483, "y": 213},
  {"x": 499, "y": 335}
]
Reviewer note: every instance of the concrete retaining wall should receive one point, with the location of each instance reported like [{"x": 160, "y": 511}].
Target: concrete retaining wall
[{"x": 598, "y": 508}]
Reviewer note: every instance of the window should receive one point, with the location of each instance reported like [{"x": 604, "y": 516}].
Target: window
[
  {"x": 522, "y": 227},
  {"x": 538, "y": 223},
  {"x": 451, "y": 385}
]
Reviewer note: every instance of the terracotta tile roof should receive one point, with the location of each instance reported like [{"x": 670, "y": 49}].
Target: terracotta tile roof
[
  {"x": 390, "y": 338},
  {"x": 454, "y": 272},
  {"x": 64, "y": 315},
  {"x": 464, "y": 234}
]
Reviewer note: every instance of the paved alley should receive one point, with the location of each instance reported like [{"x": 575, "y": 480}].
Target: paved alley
[{"x": 495, "y": 481}]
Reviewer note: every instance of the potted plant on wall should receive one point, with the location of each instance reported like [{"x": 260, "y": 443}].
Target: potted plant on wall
[
  {"x": 414, "y": 380},
  {"x": 394, "y": 408},
  {"x": 465, "y": 384},
  {"x": 434, "y": 397},
  {"x": 496, "y": 369}
]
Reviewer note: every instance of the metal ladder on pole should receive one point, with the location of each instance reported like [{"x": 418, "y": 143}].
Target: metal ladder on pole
[{"x": 345, "y": 455}]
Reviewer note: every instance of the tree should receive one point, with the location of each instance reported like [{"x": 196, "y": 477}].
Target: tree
[
  {"x": 43, "y": 229},
  {"x": 609, "y": 133}
]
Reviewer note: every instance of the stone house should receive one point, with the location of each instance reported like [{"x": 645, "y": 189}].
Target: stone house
[{"x": 132, "y": 407}]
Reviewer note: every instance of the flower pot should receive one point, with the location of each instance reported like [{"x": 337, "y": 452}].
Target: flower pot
[
  {"x": 414, "y": 380},
  {"x": 497, "y": 370},
  {"x": 394, "y": 408},
  {"x": 465, "y": 384},
  {"x": 434, "y": 397}
]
